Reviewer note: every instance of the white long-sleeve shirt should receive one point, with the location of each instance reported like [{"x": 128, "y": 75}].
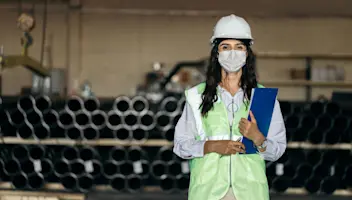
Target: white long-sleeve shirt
[{"x": 187, "y": 147}]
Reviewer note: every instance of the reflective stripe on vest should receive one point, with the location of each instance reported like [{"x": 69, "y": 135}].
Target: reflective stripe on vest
[
  {"x": 194, "y": 99},
  {"x": 224, "y": 137},
  {"x": 211, "y": 175}
]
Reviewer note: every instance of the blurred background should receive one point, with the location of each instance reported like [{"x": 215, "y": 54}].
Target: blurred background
[{"x": 91, "y": 91}]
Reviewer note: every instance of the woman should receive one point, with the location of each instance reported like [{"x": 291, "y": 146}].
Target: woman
[{"x": 214, "y": 121}]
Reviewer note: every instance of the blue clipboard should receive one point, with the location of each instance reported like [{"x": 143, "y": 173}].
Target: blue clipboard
[{"x": 262, "y": 106}]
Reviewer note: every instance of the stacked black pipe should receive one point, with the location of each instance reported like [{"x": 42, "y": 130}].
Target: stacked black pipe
[
  {"x": 26, "y": 166},
  {"x": 171, "y": 172},
  {"x": 81, "y": 168},
  {"x": 316, "y": 170},
  {"x": 77, "y": 168},
  {"x": 130, "y": 168},
  {"x": 124, "y": 118},
  {"x": 27, "y": 117},
  {"x": 126, "y": 169},
  {"x": 317, "y": 122}
]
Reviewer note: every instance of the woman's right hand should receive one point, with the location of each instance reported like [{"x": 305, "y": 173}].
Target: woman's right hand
[{"x": 224, "y": 147}]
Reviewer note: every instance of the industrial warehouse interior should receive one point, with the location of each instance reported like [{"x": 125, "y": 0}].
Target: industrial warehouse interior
[{"x": 92, "y": 90}]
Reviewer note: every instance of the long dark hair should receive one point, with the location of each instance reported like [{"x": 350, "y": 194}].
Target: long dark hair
[{"x": 248, "y": 78}]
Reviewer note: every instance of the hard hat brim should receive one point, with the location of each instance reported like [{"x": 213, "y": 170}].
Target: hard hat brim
[{"x": 231, "y": 37}]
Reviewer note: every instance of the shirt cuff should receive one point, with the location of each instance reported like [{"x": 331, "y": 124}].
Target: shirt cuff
[
  {"x": 190, "y": 150},
  {"x": 269, "y": 153},
  {"x": 199, "y": 149}
]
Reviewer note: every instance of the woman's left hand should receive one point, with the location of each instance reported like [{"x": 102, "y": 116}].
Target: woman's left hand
[{"x": 249, "y": 129}]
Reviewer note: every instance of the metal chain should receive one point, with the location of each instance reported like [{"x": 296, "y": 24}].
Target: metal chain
[{"x": 45, "y": 13}]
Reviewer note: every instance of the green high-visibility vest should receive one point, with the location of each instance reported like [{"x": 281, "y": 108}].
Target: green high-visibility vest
[{"x": 213, "y": 174}]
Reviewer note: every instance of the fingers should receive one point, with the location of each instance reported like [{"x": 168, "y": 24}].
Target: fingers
[
  {"x": 243, "y": 123},
  {"x": 243, "y": 120},
  {"x": 243, "y": 126},
  {"x": 236, "y": 147},
  {"x": 237, "y": 150},
  {"x": 238, "y": 144},
  {"x": 242, "y": 130},
  {"x": 252, "y": 117}
]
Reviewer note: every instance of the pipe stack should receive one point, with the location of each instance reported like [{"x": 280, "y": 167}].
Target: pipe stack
[
  {"x": 78, "y": 168},
  {"x": 168, "y": 109},
  {"x": 98, "y": 119},
  {"x": 317, "y": 122},
  {"x": 167, "y": 118},
  {"x": 316, "y": 171},
  {"x": 86, "y": 118},
  {"x": 137, "y": 119},
  {"x": 126, "y": 168},
  {"x": 146, "y": 124},
  {"x": 28, "y": 118},
  {"x": 73, "y": 117},
  {"x": 77, "y": 118},
  {"x": 130, "y": 119},
  {"x": 170, "y": 171},
  {"x": 27, "y": 166}
]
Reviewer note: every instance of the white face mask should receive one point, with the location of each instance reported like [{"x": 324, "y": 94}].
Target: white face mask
[{"x": 233, "y": 60}]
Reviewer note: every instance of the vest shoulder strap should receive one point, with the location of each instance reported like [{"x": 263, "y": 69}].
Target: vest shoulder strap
[
  {"x": 194, "y": 98},
  {"x": 195, "y": 91},
  {"x": 200, "y": 87},
  {"x": 260, "y": 86}
]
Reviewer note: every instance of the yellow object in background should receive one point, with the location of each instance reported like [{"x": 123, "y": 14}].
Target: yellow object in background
[{"x": 25, "y": 22}]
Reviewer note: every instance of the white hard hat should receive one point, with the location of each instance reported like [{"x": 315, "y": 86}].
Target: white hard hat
[{"x": 232, "y": 26}]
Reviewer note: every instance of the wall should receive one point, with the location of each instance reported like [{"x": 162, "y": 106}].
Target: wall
[
  {"x": 14, "y": 79},
  {"x": 114, "y": 51}
]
